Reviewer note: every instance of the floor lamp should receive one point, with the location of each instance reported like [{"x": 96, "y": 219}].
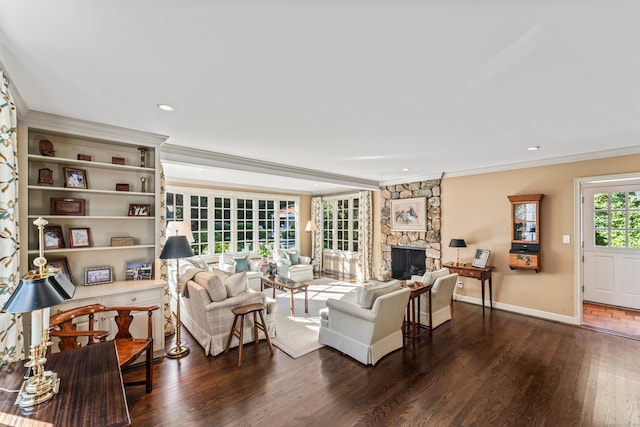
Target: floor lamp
[
  {"x": 36, "y": 293},
  {"x": 312, "y": 227},
  {"x": 177, "y": 246}
]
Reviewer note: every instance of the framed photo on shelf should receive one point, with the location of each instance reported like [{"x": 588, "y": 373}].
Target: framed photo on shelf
[
  {"x": 66, "y": 206},
  {"x": 140, "y": 270},
  {"x": 98, "y": 275},
  {"x": 61, "y": 264},
  {"x": 481, "y": 257},
  {"x": 75, "y": 178},
  {"x": 53, "y": 238},
  {"x": 79, "y": 237},
  {"x": 136, "y": 209},
  {"x": 409, "y": 214}
]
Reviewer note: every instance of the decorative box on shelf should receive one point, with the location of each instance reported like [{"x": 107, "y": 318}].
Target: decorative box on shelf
[{"x": 122, "y": 241}]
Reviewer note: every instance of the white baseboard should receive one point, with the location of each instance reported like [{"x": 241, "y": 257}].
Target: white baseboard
[{"x": 520, "y": 310}]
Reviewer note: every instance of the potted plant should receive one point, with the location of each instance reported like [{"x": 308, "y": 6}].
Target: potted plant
[{"x": 264, "y": 252}]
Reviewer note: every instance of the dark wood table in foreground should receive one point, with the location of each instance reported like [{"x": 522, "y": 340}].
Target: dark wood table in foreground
[
  {"x": 413, "y": 328},
  {"x": 91, "y": 391}
]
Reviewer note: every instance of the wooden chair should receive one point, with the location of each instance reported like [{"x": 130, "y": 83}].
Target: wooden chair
[{"x": 63, "y": 325}]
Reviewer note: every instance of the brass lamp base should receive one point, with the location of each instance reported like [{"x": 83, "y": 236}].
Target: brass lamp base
[
  {"x": 177, "y": 352},
  {"x": 38, "y": 389}
]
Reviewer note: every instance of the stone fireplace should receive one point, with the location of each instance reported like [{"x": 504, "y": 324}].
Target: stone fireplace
[{"x": 428, "y": 242}]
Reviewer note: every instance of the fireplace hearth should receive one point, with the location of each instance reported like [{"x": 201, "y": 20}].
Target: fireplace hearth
[{"x": 406, "y": 262}]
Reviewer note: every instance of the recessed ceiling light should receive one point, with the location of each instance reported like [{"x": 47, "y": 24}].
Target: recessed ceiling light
[
  {"x": 534, "y": 148},
  {"x": 405, "y": 169},
  {"x": 165, "y": 107}
]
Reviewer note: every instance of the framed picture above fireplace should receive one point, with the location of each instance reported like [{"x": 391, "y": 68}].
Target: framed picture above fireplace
[{"x": 409, "y": 214}]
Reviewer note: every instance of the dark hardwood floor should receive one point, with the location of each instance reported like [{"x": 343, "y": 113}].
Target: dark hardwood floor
[{"x": 503, "y": 370}]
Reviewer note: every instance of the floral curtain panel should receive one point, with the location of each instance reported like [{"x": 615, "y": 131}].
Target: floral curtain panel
[
  {"x": 11, "y": 334},
  {"x": 163, "y": 267},
  {"x": 365, "y": 236},
  {"x": 316, "y": 216}
]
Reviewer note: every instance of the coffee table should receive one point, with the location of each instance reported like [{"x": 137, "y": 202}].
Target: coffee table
[{"x": 287, "y": 285}]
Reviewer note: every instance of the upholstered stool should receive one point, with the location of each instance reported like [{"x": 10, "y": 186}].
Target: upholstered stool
[{"x": 241, "y": 311}]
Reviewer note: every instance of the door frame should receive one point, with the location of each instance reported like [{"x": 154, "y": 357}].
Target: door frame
[{"x": 578, "y": 221}]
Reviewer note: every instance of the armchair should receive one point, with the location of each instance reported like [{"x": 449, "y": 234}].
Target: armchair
[
  {"x": 292, "y": 265},
  {"x": 236, "y": 262},
  {"x": 366, "y": 334},
  {"x": 441, "y": 295}
]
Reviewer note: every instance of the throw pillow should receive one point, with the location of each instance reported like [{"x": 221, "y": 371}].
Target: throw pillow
[
  {"x": 293, "y": 257},
  {"x": 367, "y": 295},
  {"x": 212, "y": 283},
  {"x": 236, "y": 284},
  {"x": 198, "y": 261},
  {"x": 242, "y": 264},
  {"x": 430, "y": 277}
]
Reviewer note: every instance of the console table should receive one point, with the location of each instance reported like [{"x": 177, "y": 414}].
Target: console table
[
  {"x": 91, "y": 391},
  {"x": 482, "y": 274}
]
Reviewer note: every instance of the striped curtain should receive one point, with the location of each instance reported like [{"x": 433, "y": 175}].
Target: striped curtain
[
  {"x": 163, "y": 266},
  {"x": 316, "y": 216},
  {"x": 11, "y": 334},
  {"x": 365, "y": 236}
]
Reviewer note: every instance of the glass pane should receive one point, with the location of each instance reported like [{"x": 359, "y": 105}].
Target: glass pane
[
  {"x": 601, "y": 220},
  {"x": 602, "y": 238},
  {"x": 618, "y": 239},
  {"x": 618, "y": 219},
  {"x": 618, "y": 201},
  {"x": 634, "y": 219},
  {"x": 179, "y": 200},
  {"x": 634, "y": 238},
  {"x": 601, "y": 201},
  {"x": 634, "y": 200}
]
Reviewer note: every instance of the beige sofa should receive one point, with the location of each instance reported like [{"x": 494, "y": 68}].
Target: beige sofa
[{"x": 208, "y": 295}]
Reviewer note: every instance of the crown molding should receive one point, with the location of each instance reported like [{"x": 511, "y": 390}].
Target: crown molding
[
  {"x": 190, "y": 156},
  {"x": 100, "y": 131}
]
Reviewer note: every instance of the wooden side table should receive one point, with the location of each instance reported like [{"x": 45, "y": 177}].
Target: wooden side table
[
  {"x": 482, "y": 274},
  {"x": 413, "y": 325}
]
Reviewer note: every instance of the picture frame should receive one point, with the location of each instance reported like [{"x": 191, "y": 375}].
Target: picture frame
[
  {"x": 75, "y": 178},
  {"x": 59, "y": 206},
  {"x": 53, "y": 237},
  {"x": 481, "y": 257},
  {"x": 79, "y": 237},
  {"x": 137, "y": 209},
  {"x": 98, "y": 275},
  {"x": 62, "y": 264},
  {"x": 139, "y": 270},
  {"x": 409, "y": 214}
]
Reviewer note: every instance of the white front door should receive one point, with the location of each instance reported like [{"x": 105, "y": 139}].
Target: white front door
[{"x": 611, "y": 268}]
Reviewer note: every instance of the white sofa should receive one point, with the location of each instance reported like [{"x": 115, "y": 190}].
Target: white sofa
[
  {"x": 236, "y": 262},
  {"x": 443, "y": 283},
  {"x": 366, "y": 325},
  {"x": 207, "y": 299},
  {"x": 292, "y": 265}
]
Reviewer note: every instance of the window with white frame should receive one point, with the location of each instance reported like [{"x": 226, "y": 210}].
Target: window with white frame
[
  {"x": 233, "y": 222},
  {"x": 340, "y": 223}
]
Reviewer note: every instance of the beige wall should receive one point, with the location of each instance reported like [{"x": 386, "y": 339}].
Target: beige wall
[{"x": 476, "y": 209}]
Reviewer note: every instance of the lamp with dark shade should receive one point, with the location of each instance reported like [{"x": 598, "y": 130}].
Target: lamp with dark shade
[
  {"x": 36, "y": 293},
  {"x": 457, "y": 243},
  {"x": 177, "y": 247}
]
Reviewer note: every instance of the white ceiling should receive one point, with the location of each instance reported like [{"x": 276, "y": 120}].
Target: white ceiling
[{"x": 362, "y": 89}]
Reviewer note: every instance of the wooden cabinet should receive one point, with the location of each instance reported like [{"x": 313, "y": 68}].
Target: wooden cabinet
[{"x": 525, "y": 232}]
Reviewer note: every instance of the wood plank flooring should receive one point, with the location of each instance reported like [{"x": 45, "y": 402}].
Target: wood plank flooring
[{"x": 503, "y": 370}]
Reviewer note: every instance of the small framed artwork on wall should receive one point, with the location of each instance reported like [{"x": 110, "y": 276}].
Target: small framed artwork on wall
[{"x": 409, "y": 214}]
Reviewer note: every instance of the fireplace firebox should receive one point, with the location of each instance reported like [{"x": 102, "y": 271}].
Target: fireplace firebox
[{"x": 406, "y": 262}]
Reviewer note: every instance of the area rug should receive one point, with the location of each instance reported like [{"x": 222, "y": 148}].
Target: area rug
[{"x": 298, "y": 335}]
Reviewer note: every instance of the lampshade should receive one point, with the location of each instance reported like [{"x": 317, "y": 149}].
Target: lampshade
[
  {"x": 457, "y": 243},
  {"x": 176, "y": 247},
  {"x": 180, "y": 228},
  {"x": 38, "y": 291},
  {"x": 311, "y": 226}
]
